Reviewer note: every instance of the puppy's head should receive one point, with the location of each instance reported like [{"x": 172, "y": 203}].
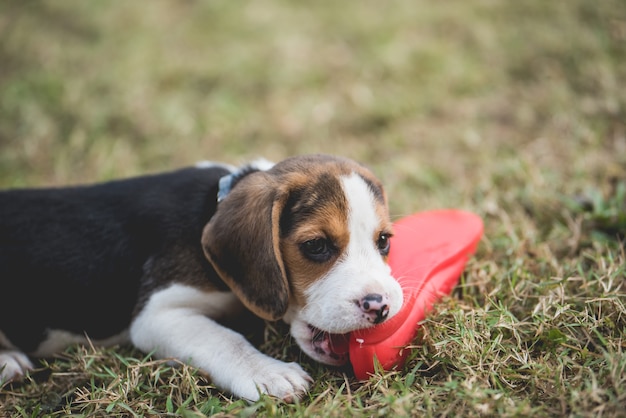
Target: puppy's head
[{"x": 307, "y": 241}]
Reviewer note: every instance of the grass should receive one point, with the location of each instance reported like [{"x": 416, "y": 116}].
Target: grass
[{"x": 513, "y": 110}]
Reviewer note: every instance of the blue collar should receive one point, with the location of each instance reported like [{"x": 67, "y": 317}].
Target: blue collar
[{"x": 225, "y": 186}]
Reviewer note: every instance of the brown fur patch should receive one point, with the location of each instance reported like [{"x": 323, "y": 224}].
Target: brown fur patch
[
  {"x": 326, "y": 220},
  {"x": 240, "y": 241}
]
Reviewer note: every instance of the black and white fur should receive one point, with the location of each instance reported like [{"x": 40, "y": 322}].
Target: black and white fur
[{"x": 155, "y": 260}]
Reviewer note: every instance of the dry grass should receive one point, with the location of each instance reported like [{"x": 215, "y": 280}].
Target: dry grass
[{"x": 514, "y": 110}]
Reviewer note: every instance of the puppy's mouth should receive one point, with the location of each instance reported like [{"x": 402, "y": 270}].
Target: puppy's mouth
[{"x": 330, "y": 348}]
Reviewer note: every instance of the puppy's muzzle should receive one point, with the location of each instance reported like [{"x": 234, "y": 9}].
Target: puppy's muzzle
[{"x": 375, "y": 307}]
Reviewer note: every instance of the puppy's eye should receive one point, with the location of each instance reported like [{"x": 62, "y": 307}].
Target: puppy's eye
[
  {"x": 318, "y": 249},
  {"x": 384, "y": 243}
]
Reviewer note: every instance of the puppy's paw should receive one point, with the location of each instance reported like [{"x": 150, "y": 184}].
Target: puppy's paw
[
  {"x": 13, "y": 366},
  {"x": 265, "y": 375}
]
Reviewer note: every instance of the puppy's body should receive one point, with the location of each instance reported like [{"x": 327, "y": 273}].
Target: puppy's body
[
  {"x": 157, "y": 259},
  {"x": 74, "y": 258}
]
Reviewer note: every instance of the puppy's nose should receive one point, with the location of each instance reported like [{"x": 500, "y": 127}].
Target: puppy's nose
[{"x": 375, "y": 307}]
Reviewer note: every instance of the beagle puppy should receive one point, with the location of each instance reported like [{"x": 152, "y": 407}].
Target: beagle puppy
[{"x": 158, "y": 260}]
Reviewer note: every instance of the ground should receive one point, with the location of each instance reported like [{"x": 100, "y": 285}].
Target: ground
[{"x": 513, "y": 110}]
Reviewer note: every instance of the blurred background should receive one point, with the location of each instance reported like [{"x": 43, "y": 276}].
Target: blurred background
[
  {"x": 515, "y": 110},
  {"x": 460, "y": 103}
]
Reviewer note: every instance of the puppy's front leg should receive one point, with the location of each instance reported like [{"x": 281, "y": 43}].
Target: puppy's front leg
[
  {"x": 175, "y": 323},
  {"x": 13, "y": 365}
]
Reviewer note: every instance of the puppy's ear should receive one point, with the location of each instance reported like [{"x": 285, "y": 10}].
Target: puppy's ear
[{"x": 242, "y": 242}]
